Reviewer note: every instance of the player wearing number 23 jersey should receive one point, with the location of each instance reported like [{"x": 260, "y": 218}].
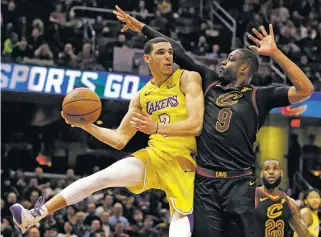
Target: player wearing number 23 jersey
[
  {"x": 273, "y": 214},
  {"x": 169, "y": 160}
]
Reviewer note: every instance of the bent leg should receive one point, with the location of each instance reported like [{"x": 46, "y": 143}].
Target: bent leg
[{"x": 123, "y": 173}]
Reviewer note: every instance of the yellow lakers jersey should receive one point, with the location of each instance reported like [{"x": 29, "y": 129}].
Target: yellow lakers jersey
[
  {"x": 167, "y": 104},
  {"x": 314, "y": 228}
]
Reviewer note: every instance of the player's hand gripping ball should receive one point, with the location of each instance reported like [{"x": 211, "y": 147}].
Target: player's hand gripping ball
[{"x": 81, "y": 107}]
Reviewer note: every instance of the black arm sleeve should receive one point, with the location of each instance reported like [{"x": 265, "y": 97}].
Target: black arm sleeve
[
  {"x": 181, "y": 57},
  {"x": 271, "y": 97}
]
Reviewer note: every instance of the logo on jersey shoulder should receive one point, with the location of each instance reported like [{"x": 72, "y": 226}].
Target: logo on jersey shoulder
[
  {"x": 246, "y": 89},
  {"x": 228, "y": 99},
  {"x": 147, "y": 93},
  {"x": 170, "y": 86},
  {"x": 275, "y": 211},
  {"x": 170, "y": 101}
]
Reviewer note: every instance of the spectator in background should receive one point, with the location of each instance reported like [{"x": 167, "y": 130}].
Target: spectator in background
[
  {"x": 35, "y": 40},
  {"x": 160, "y": 22},
  {"x": 70, "y": 176},
  {"x": 58, "y": 15},
  {"x": 42, "y": 181},
  {"x": 11, "y": 14},
  {"x": 51, "y": 232},
  {"x": 91, "y": 208},
  {"x": 49, "y": 223},
  {"x": 86, "y": 59},
  {"x": 141, "y": 10},
  {"x": 99, "y": 25},
  {"x": 34, "y": 195},
  {"x": 148, "y": 230},
  {"x": 43, "y": 52},
  {"x": 10, "y": 44},
  {"x": 11, "y": 199},
  {"x": 20, "y": 52},
  {"x": 293, "y": 157},
  {"x": 107, "y": 205},
  {"x": 67, "y": 58},
  {"x": 19, "y": 181},
  {"x": 33, "y": 232},
  {"x": 80, "y": 228},
  {"x": 104, "y": 217},
  {"x": 215, "y": 52},
  {"x": 202, "y": 46},
  {"x": 119, "y": 230},
  {"x": 117, "y": 215},
  {"x": 122, "y": 41},
  {"x": 68, "y": 231},
  {"x": 94, "y": 226}
]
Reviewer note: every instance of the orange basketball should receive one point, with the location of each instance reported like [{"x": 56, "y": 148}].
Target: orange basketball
[{"x": 81, "y": 106}]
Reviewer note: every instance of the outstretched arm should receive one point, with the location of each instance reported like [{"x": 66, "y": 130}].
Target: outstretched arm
[
  {"x": 297, "y": 222},
  {"x": 119, "y": 137},
  {"x": 191, "y": 86},
  {"x": 181, "y": 57},
  {"x": 303, "y": 87}
]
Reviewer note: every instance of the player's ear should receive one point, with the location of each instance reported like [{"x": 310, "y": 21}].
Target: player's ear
[
  {"x": 147, "y": 58},
  {"x": 244, "y": 68},
  {"x": 261, "y": 173},
  {"x": 282, "y": 173}
]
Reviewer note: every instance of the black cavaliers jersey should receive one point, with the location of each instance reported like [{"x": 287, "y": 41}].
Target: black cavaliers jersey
[
  {"x": 229, "y": 130},
  {"x": 272, "y": 214}
]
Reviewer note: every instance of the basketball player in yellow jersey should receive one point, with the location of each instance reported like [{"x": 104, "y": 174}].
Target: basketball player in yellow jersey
[
  {"x": 309, "y": 214},
  {"x": 172, "y": 106}
]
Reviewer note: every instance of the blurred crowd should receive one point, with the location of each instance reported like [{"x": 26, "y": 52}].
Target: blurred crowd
[
  {"x": 48, "y": 33},
  {"x": 109, "y": 213}
]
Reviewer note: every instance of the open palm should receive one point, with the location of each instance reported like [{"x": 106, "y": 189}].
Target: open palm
[
  {"x": 265, "y": 42},
  {"x": 131, "y": 22}
]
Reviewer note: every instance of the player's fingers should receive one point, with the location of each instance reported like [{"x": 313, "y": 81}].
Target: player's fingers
[
  {"x": 139, "y": 116},
  {"x": 271, "y": 29},
  {"x": 135, "y": 125},
  {"x": 120, "y": 10},
  {"x": 255, "y": 40},
  {"x": 258, "y": 34},
  {"x": 126, "y": 27},
  {"x": 122, "y": 19},
  {"x": 254, "y": 48},
  {"x": 263, "y": 31}
]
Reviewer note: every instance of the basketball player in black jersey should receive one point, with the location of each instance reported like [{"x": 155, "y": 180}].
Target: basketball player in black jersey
[
  {"x": 276, "y": 212},
  {"x": 234, "y": 112}
]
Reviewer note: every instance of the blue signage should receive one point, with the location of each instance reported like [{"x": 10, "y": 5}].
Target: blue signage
[{"x": 59, "y": 81}]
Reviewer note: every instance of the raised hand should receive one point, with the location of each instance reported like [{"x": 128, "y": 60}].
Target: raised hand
[
  {"x": 131, "y": 22},
  {"x": 265, "y": 43}
]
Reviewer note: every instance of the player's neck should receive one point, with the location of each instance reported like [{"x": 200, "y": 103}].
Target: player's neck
[
  {"x": 313, "y": 211},
  {"x": 271, "y": 191},
  {"x": 236, "y": 84},
  {"x": 158, "y": 79}
]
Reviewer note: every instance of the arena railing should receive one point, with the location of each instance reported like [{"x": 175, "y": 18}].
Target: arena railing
[
  {"x": 224, "y": 16},
  {"x": 104, "y": 10},
  {"x": 299, "y": 183},
  {"x": 271, "y": 62}
]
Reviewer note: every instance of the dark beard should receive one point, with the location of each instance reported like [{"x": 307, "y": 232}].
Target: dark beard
[
  {"x": 273, "y": 185},
  {"x": 227, "y": 77}
]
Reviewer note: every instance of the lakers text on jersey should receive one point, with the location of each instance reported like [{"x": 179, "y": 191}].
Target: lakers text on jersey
[{"x": 169, "y": 160}]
